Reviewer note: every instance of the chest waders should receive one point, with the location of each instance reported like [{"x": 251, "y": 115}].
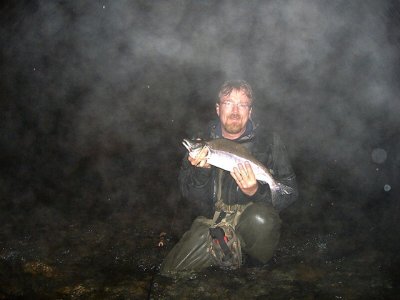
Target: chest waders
[
  {"x": 224, "y": 245},
  {"x": 253, "y": 228}
]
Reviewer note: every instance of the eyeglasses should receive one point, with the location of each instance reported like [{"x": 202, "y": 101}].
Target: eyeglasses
[{"x": 241, "y": 106}]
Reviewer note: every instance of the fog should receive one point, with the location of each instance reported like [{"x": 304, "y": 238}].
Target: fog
[{"x": 96, "y": 97}]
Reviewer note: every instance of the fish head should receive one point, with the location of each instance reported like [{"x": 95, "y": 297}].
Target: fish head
[{"x": 193, "y": 146}]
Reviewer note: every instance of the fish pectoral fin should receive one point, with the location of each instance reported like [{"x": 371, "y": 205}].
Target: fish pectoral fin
[{"x": 208, "y": 152}]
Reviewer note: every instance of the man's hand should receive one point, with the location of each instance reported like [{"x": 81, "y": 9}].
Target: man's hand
[
  {"x": 201, "y": 159},
  {"x": 245, "y": 178}
]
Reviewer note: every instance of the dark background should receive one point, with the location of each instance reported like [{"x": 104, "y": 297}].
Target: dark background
[{"x": 96, "y": 97}]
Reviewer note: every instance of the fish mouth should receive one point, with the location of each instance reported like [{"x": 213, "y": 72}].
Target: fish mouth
[{"x": 187, "y": 144}]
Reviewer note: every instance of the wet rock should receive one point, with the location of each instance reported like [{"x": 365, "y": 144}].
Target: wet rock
[
  {"x": 283, "y": 275},
  {"x": 76, "y": 291},
  {"x": 309, "y": 273},
  {"x": 38, "y": 268},
  {"x": 128, "y": 289}
]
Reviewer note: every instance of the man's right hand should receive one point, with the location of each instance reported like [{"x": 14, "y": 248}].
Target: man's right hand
[{"x": 201, "y": 159}]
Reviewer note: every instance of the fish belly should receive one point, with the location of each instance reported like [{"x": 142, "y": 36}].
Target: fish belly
[
  {"x": 224, "y": 160},
  {"x": 228, "y": 161}
]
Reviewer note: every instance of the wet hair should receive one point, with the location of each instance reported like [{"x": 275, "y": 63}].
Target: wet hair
[{"x": 238, "y": 85}]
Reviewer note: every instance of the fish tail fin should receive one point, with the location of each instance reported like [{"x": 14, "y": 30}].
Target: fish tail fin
[{"x": 283, "y": 189}]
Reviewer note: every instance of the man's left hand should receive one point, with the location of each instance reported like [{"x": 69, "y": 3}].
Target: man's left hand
[{"x": 245, "y": 178}]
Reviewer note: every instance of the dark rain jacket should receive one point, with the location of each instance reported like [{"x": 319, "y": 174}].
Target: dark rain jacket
[{"x": 200, "y": 185}]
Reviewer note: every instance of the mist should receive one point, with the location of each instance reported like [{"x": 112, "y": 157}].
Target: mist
[{"x": 96, "y": 97}]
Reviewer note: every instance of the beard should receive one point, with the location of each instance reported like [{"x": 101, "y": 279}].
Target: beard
[{"x": 234, "y": 124}]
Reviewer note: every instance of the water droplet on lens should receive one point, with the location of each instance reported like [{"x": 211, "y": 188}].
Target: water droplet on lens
[
  {"x": 378, "y": 155},
  {"x": 387, "y": 188}
]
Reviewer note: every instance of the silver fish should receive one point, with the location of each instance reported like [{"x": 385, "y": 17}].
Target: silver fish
[{"x": 226, "y": 154}]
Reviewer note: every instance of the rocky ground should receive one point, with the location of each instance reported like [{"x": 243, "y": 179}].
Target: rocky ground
[{"x": 118, "y": 258}]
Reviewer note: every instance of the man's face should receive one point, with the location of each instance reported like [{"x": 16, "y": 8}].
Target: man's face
[{"x": 234, "y": 110}]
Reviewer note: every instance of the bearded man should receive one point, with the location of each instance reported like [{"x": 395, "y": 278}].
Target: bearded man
[{"x": 241, "y": 215}]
